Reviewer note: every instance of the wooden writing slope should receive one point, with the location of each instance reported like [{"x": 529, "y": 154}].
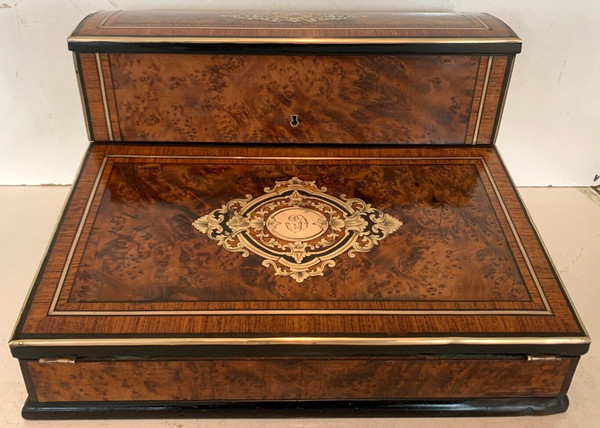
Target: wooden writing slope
[{"x": 291, "y": 215}]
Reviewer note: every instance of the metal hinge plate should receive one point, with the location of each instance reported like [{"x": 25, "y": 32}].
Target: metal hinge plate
[
  {"x": 536, "y": 357},
  {"x": 57, "y": 361}
]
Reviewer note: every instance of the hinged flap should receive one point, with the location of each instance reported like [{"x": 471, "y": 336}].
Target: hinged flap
[
  {"x": 333, "y": 32},
  {"x": 247, "y": 250}
]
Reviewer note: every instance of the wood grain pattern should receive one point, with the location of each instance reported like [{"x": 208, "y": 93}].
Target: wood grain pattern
[
  {"x": 142, "y": 247},
  {"x": 477, "y": 98},
  {"x": 110, "y": 97},
  {"x": 432, "y": 98},
  {"x": 93, "y": 96},
  {"x": 346, "y": 99},
  {"x": 38, "y": 323},
  {"x": 190, "y": 23},
  {"x": 297, "y": 379},
  {"x": 492, "y": 100},
  {"x": 416, "y": 99}
]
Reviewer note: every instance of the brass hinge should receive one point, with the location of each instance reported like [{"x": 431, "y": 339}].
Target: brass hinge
[
  {"x": 537, "y": 357},
  {"x": 57, "y": 361}
]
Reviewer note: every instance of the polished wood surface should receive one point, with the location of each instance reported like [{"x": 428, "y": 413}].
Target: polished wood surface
[
  {"x": 460, "y": 265},
  {"x": 142, "y": 248},
  {"x": 216, "y": 92},
  {"x": 333, "y": 270},
  {"x": 297, "y": 379},
  {"x": 492, "y": 104},
  {"x": 405, "y": 99},
  {"x": 349, "y": 25},
  {"x": 488, "y": 407},
  {"x": 92, "y": 97}
]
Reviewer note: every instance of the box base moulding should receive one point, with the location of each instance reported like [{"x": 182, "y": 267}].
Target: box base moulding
[{"x": 287, "y": 409}]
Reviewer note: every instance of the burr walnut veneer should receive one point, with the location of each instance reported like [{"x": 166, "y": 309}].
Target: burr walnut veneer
[
  {"x": 291, "y": 215},
  {"x": 348, "y": 78}
]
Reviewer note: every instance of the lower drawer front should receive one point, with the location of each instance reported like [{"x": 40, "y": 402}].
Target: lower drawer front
[{"x": 296, "y": 379}]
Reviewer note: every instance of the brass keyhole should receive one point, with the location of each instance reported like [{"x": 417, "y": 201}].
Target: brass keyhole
[{"x": 294, "y": 120}]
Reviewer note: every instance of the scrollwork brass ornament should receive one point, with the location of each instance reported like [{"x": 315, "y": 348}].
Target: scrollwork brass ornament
[
  {"x": 294, "y": 18},
  {"x": 297, "y": 228}
]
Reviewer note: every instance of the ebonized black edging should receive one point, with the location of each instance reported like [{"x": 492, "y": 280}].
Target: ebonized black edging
[
  {"x": 300, "y": 351},
  {"x": 296, "y": 409},
  {"x": 481, "y": 48}
]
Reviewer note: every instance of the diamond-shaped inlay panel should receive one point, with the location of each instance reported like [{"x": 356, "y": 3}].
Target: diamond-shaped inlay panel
[{"x": 297, "y": 228}]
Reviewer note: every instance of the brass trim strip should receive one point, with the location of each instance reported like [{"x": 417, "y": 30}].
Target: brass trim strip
[
  {"x": 94, "y": 189},
  {"x": 291, "y": 40},
  {"x": 485, "y": 26},
  {"x": 488, "y": 71},
  {"x": 307, "y": 312},
  {"x": 110, "y": 15},
  {"x": 77, "y": 235},
  {"x": 519, "y": 243},
  {"x": 283, "y": 28},
  {"x": 293, "y": 157},
  {"x": 344, "y": 341},
  {"x": 47, "y": 249},
  {"x": 104, "y": 97}
]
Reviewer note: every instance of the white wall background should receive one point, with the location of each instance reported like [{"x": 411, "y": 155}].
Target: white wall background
[{"x": 550, "y": 133}]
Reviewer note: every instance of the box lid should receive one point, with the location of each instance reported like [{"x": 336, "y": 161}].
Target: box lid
[
  {"x": 331, "y": 32},
  {"x": 199, "y": 250}
]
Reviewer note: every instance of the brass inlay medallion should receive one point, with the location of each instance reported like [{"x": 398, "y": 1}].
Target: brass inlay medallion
[{"x": 297, "y": 227}]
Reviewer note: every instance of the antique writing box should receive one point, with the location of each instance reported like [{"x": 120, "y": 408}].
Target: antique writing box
[{"x": 301, "y": 214}]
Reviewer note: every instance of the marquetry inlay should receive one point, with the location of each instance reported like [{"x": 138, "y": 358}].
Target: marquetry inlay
[
  {"x": 292, "y": 18},
  {"x": 297, "y": 228}
]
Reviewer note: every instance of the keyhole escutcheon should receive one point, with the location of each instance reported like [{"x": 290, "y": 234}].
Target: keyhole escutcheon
[{"x": 294, "y": 120}]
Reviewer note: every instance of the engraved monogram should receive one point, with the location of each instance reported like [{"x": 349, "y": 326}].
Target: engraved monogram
[{"x": 297, "y": 227}]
